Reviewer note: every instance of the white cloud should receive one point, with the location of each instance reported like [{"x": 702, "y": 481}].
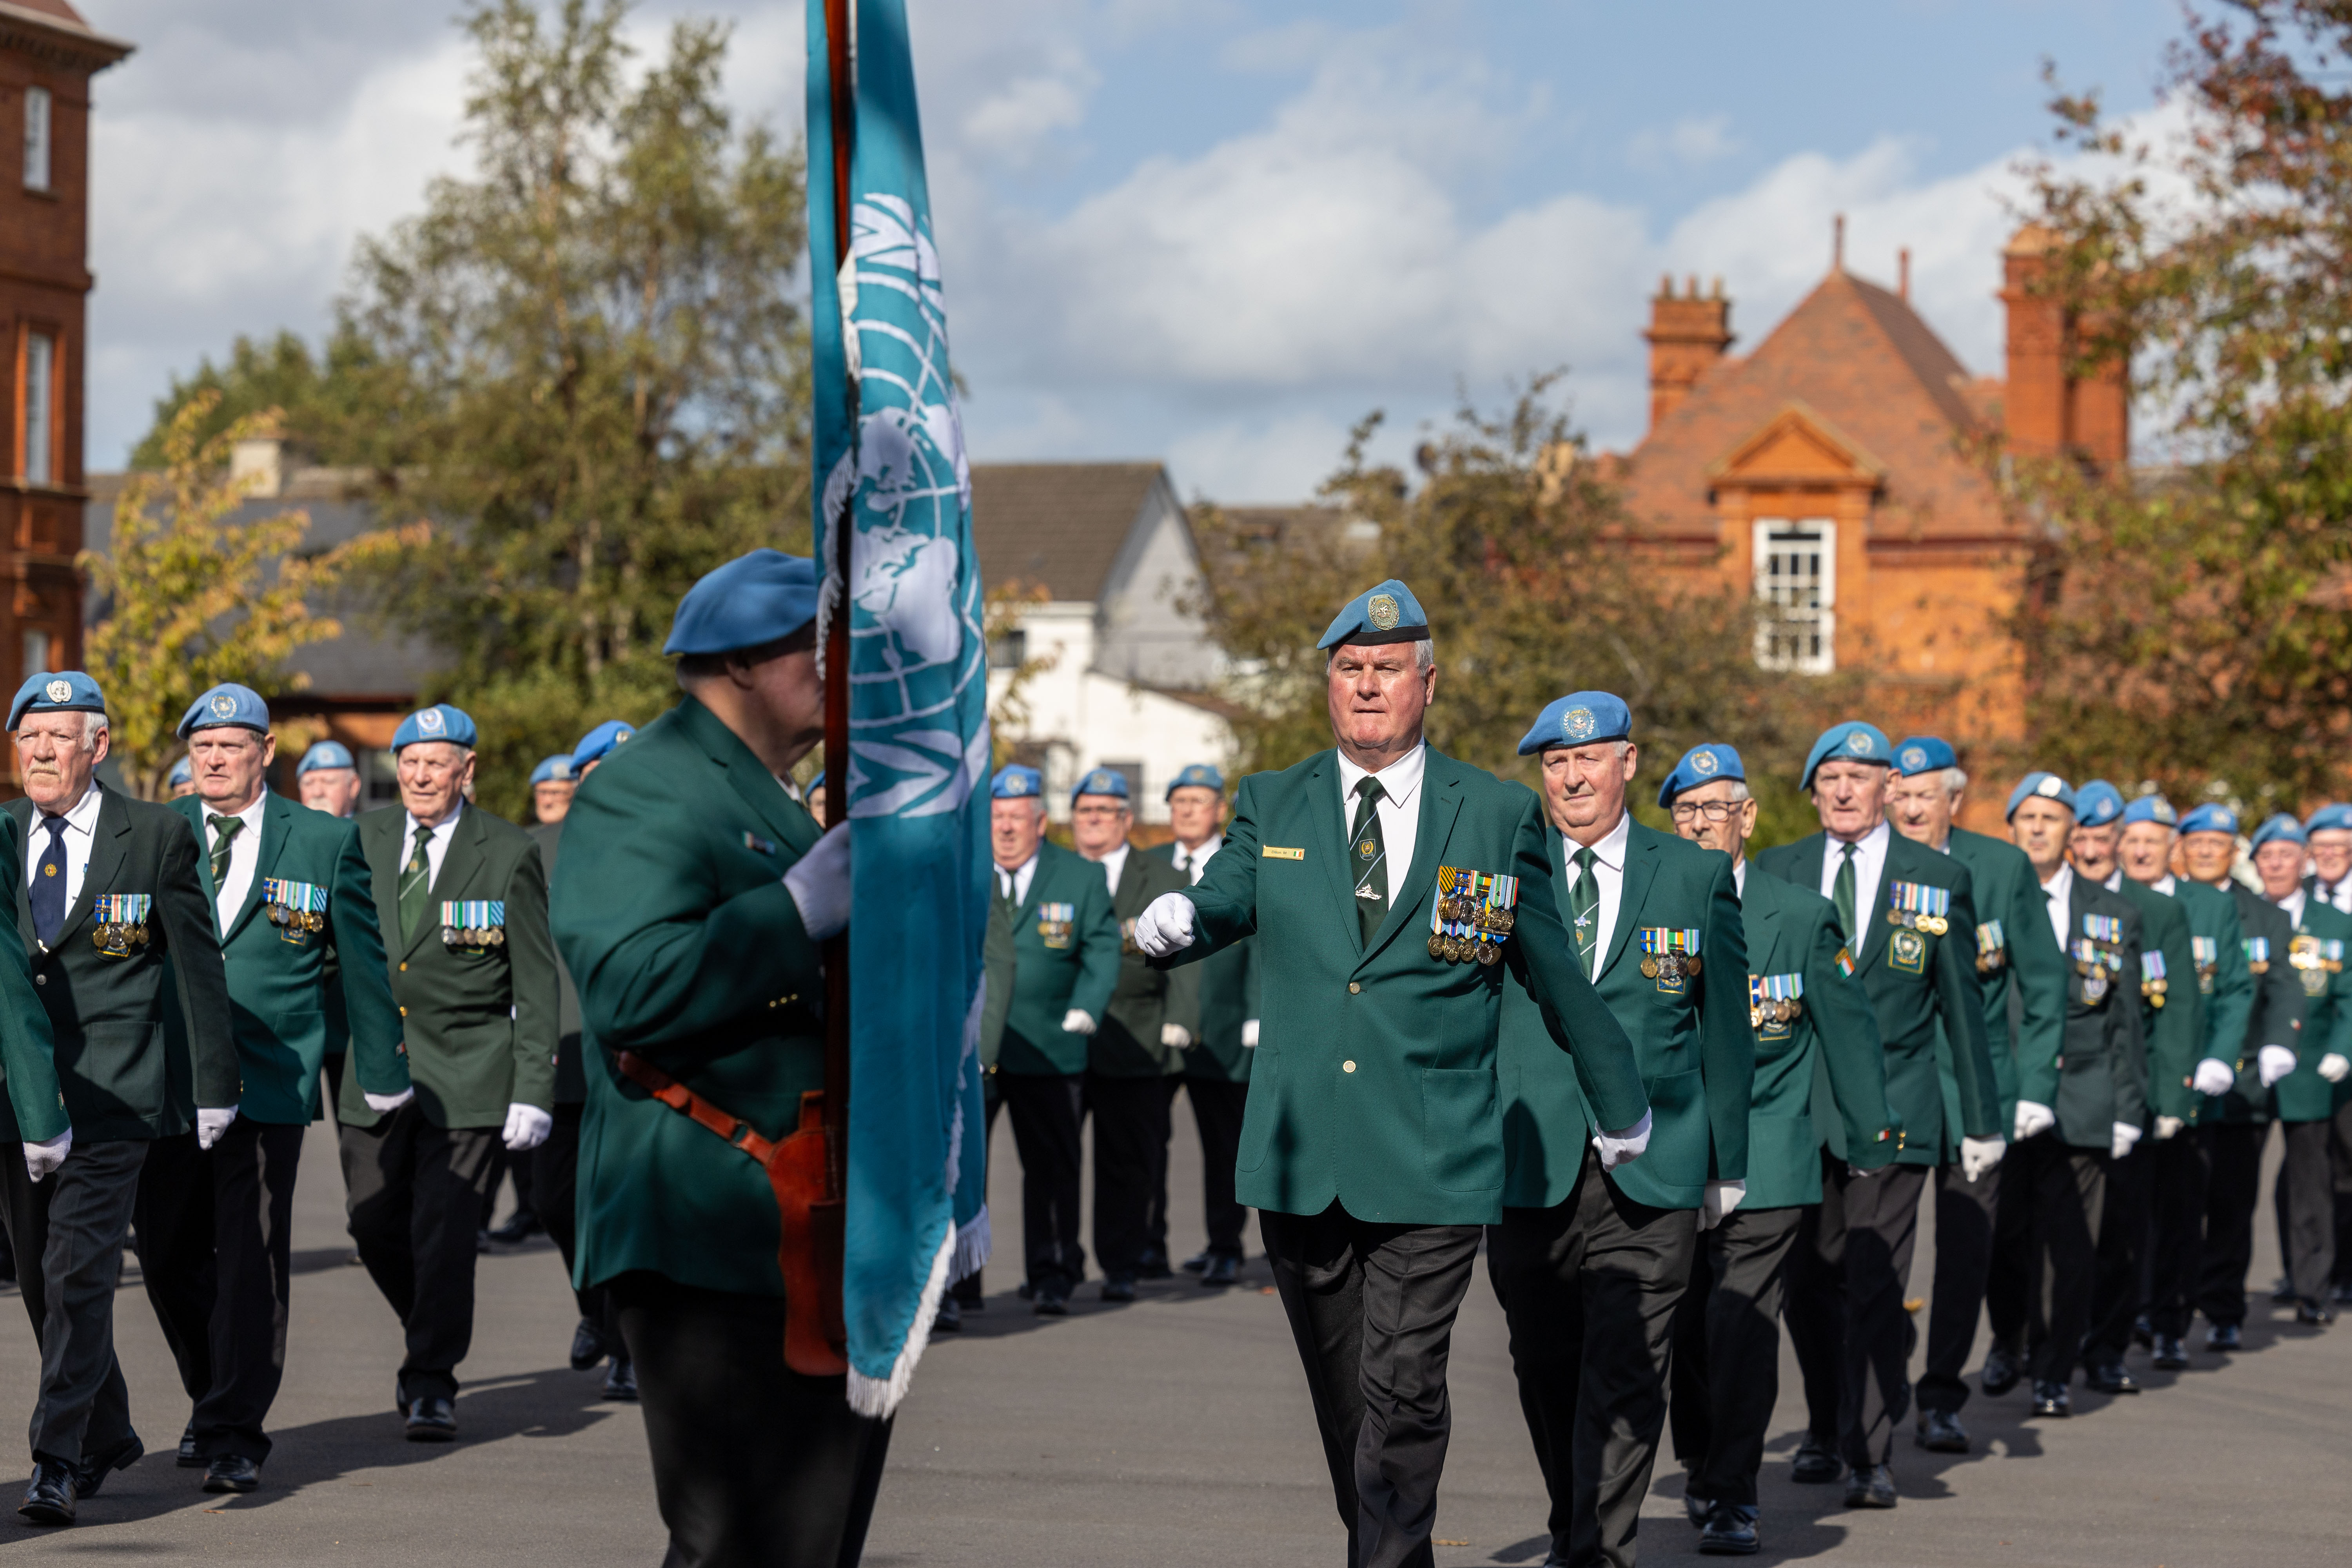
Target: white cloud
[{"x": 1690, "y": 143}]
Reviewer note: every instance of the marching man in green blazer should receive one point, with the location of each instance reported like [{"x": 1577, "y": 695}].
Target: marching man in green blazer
[
  {"x": 1908, "y": 916},
  {"x": 289, "y": 887},
  {"x": 1383, "y": 883},
  {"x": 1813, "y": 1027},
  {"x": 1591, "y": 1264},
  {"x": 463, "y": 905}
]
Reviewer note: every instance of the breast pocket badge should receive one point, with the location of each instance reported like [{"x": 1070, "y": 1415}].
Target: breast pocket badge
[
  {"x": 121, "y": 922},
  {"x": 299, "y": 910},
  {"x": 471, "y": 927},
  {"x": 1907, "y": 949},
  {"x": 1056, "y": 923}
]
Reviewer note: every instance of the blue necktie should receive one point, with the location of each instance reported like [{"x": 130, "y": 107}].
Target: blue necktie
[{"x": 49, "y": 894}]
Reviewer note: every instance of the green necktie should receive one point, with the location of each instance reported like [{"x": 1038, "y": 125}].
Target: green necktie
[
  {"x": 415, "y": 885},
  {"x": 1370, "y": 857},
  {"x": 1584, "y": 909},
  {"x": 1843, "y": 893},
  {"x": 223, "y": 835}
]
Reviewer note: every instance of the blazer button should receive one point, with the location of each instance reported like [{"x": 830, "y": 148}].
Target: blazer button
[
  {"x": 1346, "y": 1067},
  {"x": 404, "y": 1011},
  {"x": 403, "y": 966},
  {"x": 40, "y": 979},
  {"x": 1353, "y": 988}
]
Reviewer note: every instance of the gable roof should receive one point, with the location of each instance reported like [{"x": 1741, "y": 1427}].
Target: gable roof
[
  {"x": 52, "y": 29},
  {"x": 1864, "y": 365},
  {"x": 1061, "y": 524}
]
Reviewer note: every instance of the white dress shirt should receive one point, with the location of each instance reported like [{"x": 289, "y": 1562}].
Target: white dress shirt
[
  {"x": 1400, "y": 813},
  {"x": 1608, "y": 876},
  {"x": 244, "y": 856},
  {"x": 1193, "y": 862},
  {"x": 1113, "y": 864},
  {"x": 2293, "y": 905},
  {"x": 1014, "y": 884},
  {"x": 2338, "y": 895},
  {"x": 1739, "y": 877},
  {"x": 2060, "y": 890},
  {"x": 436, "y": 848},
  {"x": 1869, "y": 871},
  {"x": 80, "y": 834}
]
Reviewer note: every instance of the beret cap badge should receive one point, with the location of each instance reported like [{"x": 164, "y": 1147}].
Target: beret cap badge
[
  {"x": 429, "y": 721},
  {"x": 1859, "y": 742},
  {"x": 1703, "y": 763},
  {"x": 59, "y": 690},
  {"x": 222, "y": 704},
  {"x": 1576, "y": 723},
  {"x": 1914, "y": 757},
  {"x": 1383, "y": 611}
]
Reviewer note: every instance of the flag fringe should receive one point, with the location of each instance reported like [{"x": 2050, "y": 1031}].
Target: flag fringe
[
  {"x": 972, "y": 1247},
  {"x": 881, "y": 1396}
]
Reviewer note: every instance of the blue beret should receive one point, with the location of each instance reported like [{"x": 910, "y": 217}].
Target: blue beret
[
  {"x": 2150, "y": 808},
  {"x": 2041, "y": 785},
  {"x": 1198, "y": 776},
  {"x": 182, "y": 774},
  {"x": 1101, "y": 781},
  {"x": 2098, "y": 803},
  {"x": 556, "y": 769},
  {"x": 227, "y": 705},
  {"x": 2335, "y": 814},
  {"x": 1854, "y": 742},
  {"x": 753, "y": 599},
  {"x": 1923, "y": 755},
  {"x": 1701, "y": 765},
  {"x": 1578, "y": 719},
  {"x": 326, "y": 755},
  {"x": 2280, "y": 826},
  {"x": 599, "y": 740},
  {"x": 1015, "y": 782},
  {"x": 2210, "y": 818},
  {"x": 439, "y": 722},
  {"x": 1385, "y": 613},
  {"x": 56, "y": 691}
]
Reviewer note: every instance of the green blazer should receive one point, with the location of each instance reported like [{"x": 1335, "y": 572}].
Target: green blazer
[
  {"x": 278, "y": 978},
  {"x": 1228, "y": 999},
  {"x": 1127, "y": 1045},
  {"x": 1911, "y": 999},
  {"x": 480, "y": 1021},
  {"x": 1691, "y": 1038},
  {"x": 671, "y": 913},
  {"x": 1040, "y": 968},
  {"x": 2303, "y": 1095},
  {"x": 2028, "y": 965},
  {"x": 2171, "y": 1020},
  {"x": 1821, "y": 1078},
  {"x": 2223, "y": 981},
  {"x": 119, "y": 1076},
  {"x": 2276, "y": 1016},
  {"x": 2100, "y": 1078},
  {"x": 570, "y": 1082},
  {"x": 1375, "y": 1082},
  {"x": 35, "y": 1103}
]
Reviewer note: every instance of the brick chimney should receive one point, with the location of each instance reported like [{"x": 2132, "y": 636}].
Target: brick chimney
[
  {"x": 1687, "y": 335},
  {"x": 2045, "y": 410}
]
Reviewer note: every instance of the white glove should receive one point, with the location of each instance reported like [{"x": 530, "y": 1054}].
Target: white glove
[
  {"x": 2335, "y": 1067},
  {"x": 1249, "y": 1035},
  {"x": 1077, "y": 1021},
  {"x": 2169, "y": 1127},
  {"x": 1176, "y": 1037},
  {"x": 527, "y": 1127},
  {"x": 2214, "y": 1076},
  {"x": 211, "y": 1124},
  {"x": 819, "y": 883},
  {"x": 1165, "y": 926},
  {"x": 1617, "y": 1149},
  {"x": 1979, "y": 1155},
  {"x": 40, "y": 1159},
  {"x": 2273, "y": 1063},
  {"x": 2126, "y": 1135},
  {"x": 385, "y": 1104},
  {"x": 1714, "y": 1204},
  {"x": 2032, "y": 1119}
]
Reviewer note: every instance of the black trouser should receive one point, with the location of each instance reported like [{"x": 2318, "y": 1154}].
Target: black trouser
[
  {"x": 331, "y": 1068},
  {"x": 2176, "y": 1231},
  {"x": 1964, "y": 1228},
  {"x": 1045, "y": 1111},
  {"x": 2116, "y": 1298},
  {"x": 1155, "y": 1239},
  {"x": 754, "y": 1465},
  {"x": 172, "y": 1221},
  {"x": 1846, "y": 1277},
  {"x": 2046, "y": 1253},
  {"x": 252, "y": 1189},
  {"x": 555, "y": 1187},
  {"x": 2305, "y": 1200},
  {"x": 1726, "y": 1353},
  {"x": 1217, "y": 1109},
  {"x": 414, "y": 1193},
  {"x": 2339, "y": 1161},
  {"x": 1371, "y": 1309},
  {"x": 2233, "y": 1186},
  {"x": 68, "y": 1231},
  {"x": 1589, "y": 1287},
  {"x": 1130, "y": 1145}
]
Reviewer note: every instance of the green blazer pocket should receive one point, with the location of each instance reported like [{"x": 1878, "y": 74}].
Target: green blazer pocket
[
  {"x": 1262, "y": 1110},
  {"x": 1460, "y": 1129},
  {"x": 1784, "y": 1161},
  {"x": 1671, "y": 1171}
]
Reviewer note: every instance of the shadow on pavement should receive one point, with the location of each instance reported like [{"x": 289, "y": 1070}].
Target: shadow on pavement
[{"x": 1007, "y": 1314}]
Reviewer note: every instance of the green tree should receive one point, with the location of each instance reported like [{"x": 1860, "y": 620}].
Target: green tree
[{"x": 311, "y": 400}]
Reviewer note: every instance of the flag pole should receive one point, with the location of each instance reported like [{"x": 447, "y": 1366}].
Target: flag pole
[{"x": 841, "y": 98}]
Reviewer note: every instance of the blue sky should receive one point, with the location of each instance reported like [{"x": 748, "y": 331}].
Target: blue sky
[{"x": 1207, "y": 232}]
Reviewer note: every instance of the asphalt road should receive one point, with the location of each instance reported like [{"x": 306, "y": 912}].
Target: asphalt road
[{"x": 1173, "y": 1430}]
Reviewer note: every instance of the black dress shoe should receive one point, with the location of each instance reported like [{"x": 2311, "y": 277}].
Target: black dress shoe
[
  {"x": 950, "y": 1318},
  {"x": 2283, "y": 1291},
  {"x": 1196, "y": 1263},
  {"x": 2170, "y": 1354},
  {"x": 2000, "y": 1372},
  {"x": 2110, "y": 1377},
  {"x": 1729, "y": 1531},
  {"x": 1815, "y": 1466},
  {"x": 189, "y": 1459},
  {"x": 1872, "y": 1486},
  {"x": 2224, "y": 1337},
  {"x": 1118, "y": 1288},
  {"x": 2318, "y": 1314},
  {"x": 1053, "y": 1301},
  {"x": 520, "y": 1226},
  {"x": 1697, "y": 1508},
  {"x": 482, "y": 1241},
  {"x": 969, "y": 1294},
  {"x": 2050, "y": 1399},
  {"x": 231, "y": 1473},
  {"x": 2142, "y": 1333},
  {"x": 1027, "y": 1290},
  {"x": 1940, "y": 1432},
  {"x": 431, "y": 1419},
  {"x": 51, "y": 1498},
  {"x": 621, "y": 1380},
  {"x": 1224, "y": 1269},
  {"x": 2343, "y": 1293},
  {"x": 1153, "y": 1264},
  {"x": 587, "y": 1346},
  {"x": 94, "y": 1468}
]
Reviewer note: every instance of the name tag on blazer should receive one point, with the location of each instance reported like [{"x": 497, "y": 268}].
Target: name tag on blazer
[
  {"x": 469, "y": 927},
  {"x": 1274, "y": 852},
  {"x": 296, "y": 909}
]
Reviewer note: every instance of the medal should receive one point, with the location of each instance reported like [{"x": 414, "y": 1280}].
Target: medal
[
  {"x": 1471, "y": 916},
  {"x": 2094, "y": 987},
  {"x": 1649, "y": 969}
]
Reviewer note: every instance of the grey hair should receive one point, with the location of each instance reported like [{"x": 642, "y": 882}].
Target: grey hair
[
  {"x": 1739, "y": 791},
  {"x": 1955, "y": 780},
  {"x": 93, "y": 725},
  {"x": 1424, "y": 657}
]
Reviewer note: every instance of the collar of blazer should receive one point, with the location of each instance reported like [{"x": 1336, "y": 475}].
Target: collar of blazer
[
  {"x": 1809, "y": 855},
  {"x": 1641, "y": 856},
  {"x": 277, "y": 816},
  {"x": 108, "y": 848},
  {"x": 1759, "y": 916},
  {"x": 459, "y": 863},
  {"x": 1441, "y": 803},
  {"x": 750, "y": 777}
]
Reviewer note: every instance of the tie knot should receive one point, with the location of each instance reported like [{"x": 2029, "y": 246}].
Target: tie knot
[
  {"x": 1369, "y": 788},
  {"x": 56, "y": 824},
  {"x": 1850, "y": 850},
  {"x": 223, "y": 826},
  {"x": 1583, "y": 859}
]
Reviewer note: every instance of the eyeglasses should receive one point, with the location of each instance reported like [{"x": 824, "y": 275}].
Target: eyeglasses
[
  {"x": 1099, "y": 811},
  {"x": 1713, "y": 810}
]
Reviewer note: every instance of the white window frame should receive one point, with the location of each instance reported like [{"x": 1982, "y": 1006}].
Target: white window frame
[
  {"x": 40, "y": 405},
  {"x": 1778, "y": 637},
  {"x": 40, "y": 138}
]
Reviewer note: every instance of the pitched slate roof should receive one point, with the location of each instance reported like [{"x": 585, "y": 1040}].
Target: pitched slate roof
[{"x": 1061, "y": 524}]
